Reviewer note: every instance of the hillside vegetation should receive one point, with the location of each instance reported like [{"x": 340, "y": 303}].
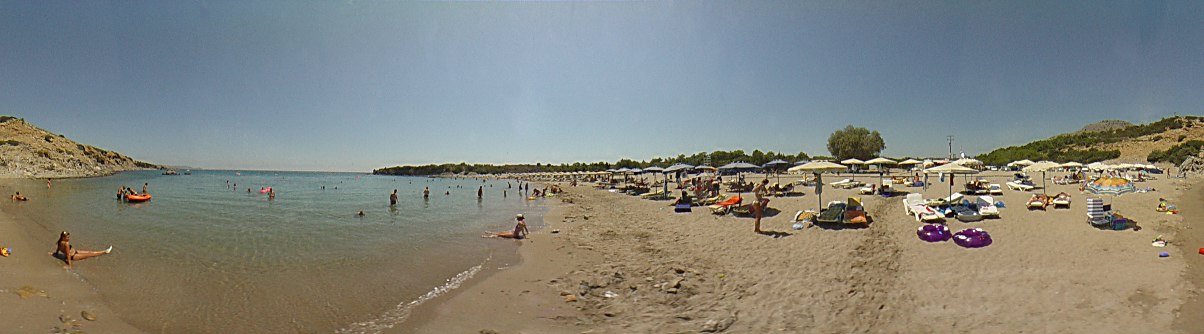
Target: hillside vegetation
[
  {"x": 29, "y": 151},
  {"x": 716, "y": 159},
  {"x": 1132, "y": 143}
]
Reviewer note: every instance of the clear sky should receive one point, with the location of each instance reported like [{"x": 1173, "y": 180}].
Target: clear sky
[{"x": 357, "y": 85}]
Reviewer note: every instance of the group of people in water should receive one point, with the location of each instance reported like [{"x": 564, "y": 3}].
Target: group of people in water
[{"x": 124, "y": 191}]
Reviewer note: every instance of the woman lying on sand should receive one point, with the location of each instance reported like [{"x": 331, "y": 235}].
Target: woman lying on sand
[
  {"x": 19, "y": 197},
  {"x": 65, "y": 252},
  {"x": 519, "y": 232}
]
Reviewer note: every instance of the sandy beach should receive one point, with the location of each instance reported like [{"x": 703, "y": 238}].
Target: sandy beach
[
  {"x": 39, "y": 295},
  {"x": 620, "y": 264}
]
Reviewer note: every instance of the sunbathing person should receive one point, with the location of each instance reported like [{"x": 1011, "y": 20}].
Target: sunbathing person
[
  {"x": 19, "y": 197},
  {"x": 519, "y": 232},
  {"x": 65, "y": 252}
]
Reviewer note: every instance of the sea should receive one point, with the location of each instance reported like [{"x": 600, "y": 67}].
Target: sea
[{"x": 210, "y": 253}]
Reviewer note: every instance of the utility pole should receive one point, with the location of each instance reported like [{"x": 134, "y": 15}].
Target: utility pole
[{"x": 950, "y": 137}]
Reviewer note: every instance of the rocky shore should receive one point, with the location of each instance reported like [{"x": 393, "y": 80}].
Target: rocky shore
[{"x": 27, "y": 151}]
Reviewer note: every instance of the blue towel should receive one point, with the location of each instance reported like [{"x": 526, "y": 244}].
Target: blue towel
[{"x": 1000, "y": 204}]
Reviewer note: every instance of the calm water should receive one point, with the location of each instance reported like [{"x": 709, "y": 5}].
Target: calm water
[{"x": 202, "y": 257}]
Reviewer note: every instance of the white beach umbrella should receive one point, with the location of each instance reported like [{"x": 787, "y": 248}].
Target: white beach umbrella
[
  {"x": 969, "y": 162},
  {"x": 880, "y": 162},
  {"x": 951, "y": 169},
  {"x": 910, "y": 162},
  {"x": 818, "y": 167},
  {"x": 1072, "y": 164},
  {"x": 1024, "y": 162},
  {"x": 852, "y": 161},
  {"x": 1042, "y": 167}
]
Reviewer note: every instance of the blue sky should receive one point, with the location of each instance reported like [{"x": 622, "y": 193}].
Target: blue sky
[{"x": 357, "y": 85}]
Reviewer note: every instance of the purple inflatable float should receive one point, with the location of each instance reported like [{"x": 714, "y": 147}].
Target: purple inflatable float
[
  {"x": 934, "y": 233},
  {"x": 972, "y": 238}
]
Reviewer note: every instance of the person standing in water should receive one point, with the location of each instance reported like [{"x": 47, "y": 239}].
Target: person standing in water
[
  {"x": 480, "y": 191},
  {"x": 144, "y": 185},
  {"x": 393, "y": 198},
  {"x": 426, "y": 193}
]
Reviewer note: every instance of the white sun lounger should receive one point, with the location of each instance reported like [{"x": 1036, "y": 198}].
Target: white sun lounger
[
  {"x": 986, "y": 207},
  {"x": 995, "y": 189},
  {"x": 1019, "y": 186},
  {"x": 915, "y": 206}
]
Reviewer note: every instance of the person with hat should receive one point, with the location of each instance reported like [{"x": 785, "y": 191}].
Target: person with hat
[{"x": 519, "y": 232}]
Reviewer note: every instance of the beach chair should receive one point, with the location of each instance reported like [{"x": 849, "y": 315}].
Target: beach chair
[
  {"x": 1037, "y": 201},
  {"x": 722, "y": 207},
  {"x": 995, "y": 189},
  {"x": 1096, "y": 214},
  {"x": 986, "y": 207},
  {"x": 915, "y": 206},
  {"x": 854, "y": 212},
  {"x": 1061, "y": 200},
  {"x": 1017, "y": 185},
  {"x": 868, "y": 189},
  {"x": 834, "y": 213}
]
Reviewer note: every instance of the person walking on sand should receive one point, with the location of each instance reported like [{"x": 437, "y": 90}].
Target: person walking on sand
[
  {"x": 65, "y": 252},
  {"x": 759, "y": 205},
  {"x": 393, "y": 198}
]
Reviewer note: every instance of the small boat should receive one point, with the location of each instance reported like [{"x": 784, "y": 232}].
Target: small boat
[
  {"x": 170, "y": 172},
  {"x": 137, "y": 198}
]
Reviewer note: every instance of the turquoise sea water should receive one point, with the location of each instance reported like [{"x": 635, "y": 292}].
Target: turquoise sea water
[{"x": 202, "y": 256}]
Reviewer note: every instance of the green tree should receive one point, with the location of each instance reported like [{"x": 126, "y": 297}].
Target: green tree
[{"x": 855, "y": 142}]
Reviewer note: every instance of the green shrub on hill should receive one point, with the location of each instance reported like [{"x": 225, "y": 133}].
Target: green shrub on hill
[
  {"x": 1062, "y": 148},
  {"x": 717, "y": 158},
  {"x": 1176, "y": 154}
]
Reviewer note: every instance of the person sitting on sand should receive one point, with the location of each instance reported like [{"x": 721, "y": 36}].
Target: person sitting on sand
[
  {"x": 65, "y": 252},
  {"x": 519, "y": 232},
  {"x": 19, "y": 197}
]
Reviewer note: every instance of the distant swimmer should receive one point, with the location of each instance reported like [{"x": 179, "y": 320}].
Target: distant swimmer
[
  {"x": 271, "y": 194},
  {"x": 519, "y": 232},
  {"x": 19, "y": 197},
  {"x": 360, "y": 214},
  {"x": 447, "y": 193},
  {"x": 393, "y": 198},
  {"x": 65, "y": 252},
  {"x": 426, "y": 192}
]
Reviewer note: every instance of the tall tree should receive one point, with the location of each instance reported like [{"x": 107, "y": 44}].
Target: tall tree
[{"x": 855, "y": 142}]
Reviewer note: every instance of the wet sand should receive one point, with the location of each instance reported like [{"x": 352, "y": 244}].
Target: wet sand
[
  {"x": 636, "y": 267},
  {"x": 38, "y": 295}
]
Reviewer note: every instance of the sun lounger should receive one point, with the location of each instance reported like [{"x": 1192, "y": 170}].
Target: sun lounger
[
  {"x": 995, "y": 189},
  {"x": 833, "y": 214},
  {"x": 1019, "y": 186},
  {"x": 1063, "y": 199},
  {"x": 854, "y": 212},
  {"x": 1038, "y": 201},
  {"x": 986, "y": 207},
  {"x": 868, "y": 189},
  {"x": 845, "y": 184},
  {"x": 964, "y": 213},
  {"x": 915, "y": 206},
  {"x": 722, "y": 207}
]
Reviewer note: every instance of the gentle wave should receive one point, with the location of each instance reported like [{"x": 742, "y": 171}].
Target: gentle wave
[{"x": 400, "y": 313}]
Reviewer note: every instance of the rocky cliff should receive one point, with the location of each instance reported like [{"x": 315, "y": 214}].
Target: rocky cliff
[{"x": 29, "y": 151}]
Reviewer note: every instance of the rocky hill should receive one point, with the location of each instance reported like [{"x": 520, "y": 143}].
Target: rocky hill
[
  {"x": 29, "y": 151},
  {"x": 1106, "y": 125}
]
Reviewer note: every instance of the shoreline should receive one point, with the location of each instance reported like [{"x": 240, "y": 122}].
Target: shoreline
[
  {"x": 39, "y": 293},
  {"x": 509, "y": 287}
]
